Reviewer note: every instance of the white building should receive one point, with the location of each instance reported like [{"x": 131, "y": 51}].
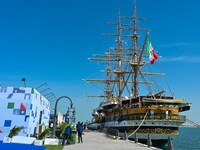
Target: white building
[
  {"x": 22, "y": 107},
  {"x": 60, "y": 118}
]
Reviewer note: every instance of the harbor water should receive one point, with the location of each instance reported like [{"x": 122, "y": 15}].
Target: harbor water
[{"x": 188, "y": 139}]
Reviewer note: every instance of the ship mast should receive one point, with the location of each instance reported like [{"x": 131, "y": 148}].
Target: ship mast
[
  {"x": 121, "y": 57},
  {"x": 134, "y": 61},
  {"x": 108, "y": 91},
  {"x": 119, "y": 72}
]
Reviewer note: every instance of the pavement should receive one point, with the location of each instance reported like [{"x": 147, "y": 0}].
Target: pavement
[{"x": 94, "y": 140}]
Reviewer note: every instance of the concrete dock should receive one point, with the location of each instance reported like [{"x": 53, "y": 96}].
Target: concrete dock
[{"x": 93, "y": 140}]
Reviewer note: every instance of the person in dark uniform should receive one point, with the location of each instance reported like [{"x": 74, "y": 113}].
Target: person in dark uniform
[
  {"x": 67, "y": 133},
  {"x": 84, "y": 126},
  {"x": 79, "y": 128}
]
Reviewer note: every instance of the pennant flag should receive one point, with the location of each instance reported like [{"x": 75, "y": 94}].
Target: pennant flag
[
  {"x": 22, "y": 107},
  {"x": 151, "y": 52}
]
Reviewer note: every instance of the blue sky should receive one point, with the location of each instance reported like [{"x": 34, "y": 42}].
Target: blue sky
[{"x": 50, "y": 41}]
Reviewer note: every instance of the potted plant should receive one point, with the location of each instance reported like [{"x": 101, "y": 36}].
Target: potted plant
[
  {"x": 13, "y": 132},
  {"x": 60, "y": 130},
  {"x": 42, "y": 136}
]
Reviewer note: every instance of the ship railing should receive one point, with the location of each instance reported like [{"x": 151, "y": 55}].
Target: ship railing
[
  {"x": 167, "y": 117},
  {"x": 155, "y": 116},
  {"x": 150, "y": 117}
]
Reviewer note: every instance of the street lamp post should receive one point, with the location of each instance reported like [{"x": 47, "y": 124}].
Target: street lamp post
[
  {"x": 24, "y": 80},
  {"x": 55, "y": 111}
]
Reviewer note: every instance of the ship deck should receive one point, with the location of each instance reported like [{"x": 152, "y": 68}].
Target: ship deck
[{"x": 99, "y": 141}]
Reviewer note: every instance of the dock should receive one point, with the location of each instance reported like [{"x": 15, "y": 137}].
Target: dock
[{"x": 93, "y": 140}]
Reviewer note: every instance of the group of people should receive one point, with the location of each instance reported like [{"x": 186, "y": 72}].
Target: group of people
[{"x": 68, "y": 132}]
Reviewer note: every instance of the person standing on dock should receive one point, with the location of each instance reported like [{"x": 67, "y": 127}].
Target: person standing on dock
[
  {"x": 80, "y": 132},
  {"x": 67, "y": 133},
  {"x": 84, "y": 126}
]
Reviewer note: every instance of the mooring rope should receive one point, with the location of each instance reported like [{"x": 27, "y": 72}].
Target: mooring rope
[{"x": 139, "y": 125}]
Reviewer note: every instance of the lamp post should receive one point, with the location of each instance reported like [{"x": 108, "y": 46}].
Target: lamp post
[
  {"x": 24, "y": 80},
  {"x": 55, "y": 111}
]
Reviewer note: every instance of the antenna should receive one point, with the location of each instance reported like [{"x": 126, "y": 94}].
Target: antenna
[
  {"x": 134, "y": 8},
  {"x": 135, "y": 19}
]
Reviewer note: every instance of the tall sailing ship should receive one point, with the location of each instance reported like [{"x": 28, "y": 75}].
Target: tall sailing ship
[{"x": 133, "y": 102}]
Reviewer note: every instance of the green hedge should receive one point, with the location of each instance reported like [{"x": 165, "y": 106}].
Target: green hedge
[
  {"x": 73, "y": 138},
  {"x": 54, "y": 147}
]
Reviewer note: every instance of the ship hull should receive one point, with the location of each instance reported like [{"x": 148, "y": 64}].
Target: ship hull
[
  {"x": 158, "y": 140},
  {"x": 160, "y": 143},
  {"x": 159, "y": 131}
]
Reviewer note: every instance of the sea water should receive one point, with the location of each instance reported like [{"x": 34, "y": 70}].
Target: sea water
[{"x": 188, "y": 139}]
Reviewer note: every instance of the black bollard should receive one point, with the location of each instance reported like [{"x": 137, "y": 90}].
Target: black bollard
[
  {"x": 117, "y": 134},
  {"x": 169, "y": 144},
  {"x": 149, "y": 143},
  {"x": 125, "y": 135},
  {"x": 107, "y": 132},
  {"x": 135, "y": 138}
]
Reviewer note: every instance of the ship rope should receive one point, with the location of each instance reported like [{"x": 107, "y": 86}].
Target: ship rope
[
  {"x": 139, "y": 125},
  {"x": 161, "y": 69},
  {"x": 126, "y": 81},
  {"x": 147, "y": 86},
  {"x": 88, "y": 100},
  {"x": 112, "y": 76},
  {"x": 129, "y": 92},
  {"x": 100, "y": 88},
  {"x": 151, "y": 78}
]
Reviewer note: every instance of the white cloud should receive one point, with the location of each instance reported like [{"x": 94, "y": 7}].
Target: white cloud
[
  {"x": 180, "y": 44},
  {"x": 189, "y": 59}
]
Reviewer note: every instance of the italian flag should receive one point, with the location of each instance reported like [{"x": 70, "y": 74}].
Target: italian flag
[{"x": 151, "y": 52}]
